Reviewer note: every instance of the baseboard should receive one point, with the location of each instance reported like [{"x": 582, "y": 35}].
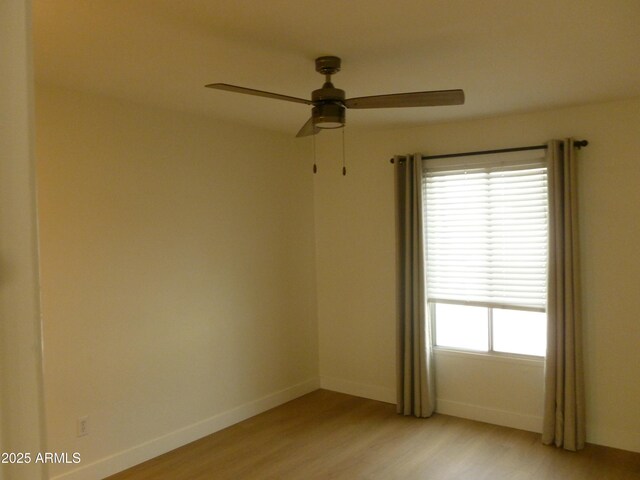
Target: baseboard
[
  {"x": 504, "y": 418},
  {"x": 148, "y": 450},
  {"x": 621, "y": 439},
  {"x": 625, "y": 440},
  {"x": 372, "y": 392}
]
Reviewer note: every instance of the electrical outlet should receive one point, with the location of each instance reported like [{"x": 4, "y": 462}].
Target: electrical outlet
[{"x": 83, "y": 426}]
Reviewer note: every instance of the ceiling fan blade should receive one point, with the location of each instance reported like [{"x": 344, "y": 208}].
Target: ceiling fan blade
[
  {"x": 258, "y": 93},
  {"x": 308, "y": 129},
  {"x": 416, "y": 99}
]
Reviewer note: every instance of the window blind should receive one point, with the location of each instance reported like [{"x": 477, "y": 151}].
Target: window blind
[{"x": 485, "y": 230}]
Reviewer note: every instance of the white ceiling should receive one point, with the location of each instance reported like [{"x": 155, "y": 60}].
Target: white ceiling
[{"x": 507, "y": 55}]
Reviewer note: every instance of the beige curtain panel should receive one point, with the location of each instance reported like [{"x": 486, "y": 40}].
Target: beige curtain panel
[
  {"x": 415, "y": 376},
  {"x": 564, "y": 415}
]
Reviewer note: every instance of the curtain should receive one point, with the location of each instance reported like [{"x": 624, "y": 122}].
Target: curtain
[
  {"x": 564, "y": 423},
  {"x": 415, "y": 376}
]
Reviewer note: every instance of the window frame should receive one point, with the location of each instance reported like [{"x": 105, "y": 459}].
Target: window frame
[
  {"x": 431, "y": 307},
  {"x": 489, "y": 160}
]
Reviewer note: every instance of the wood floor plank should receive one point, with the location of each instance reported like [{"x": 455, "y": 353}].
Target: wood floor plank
[{"x": 328, "y": 435}]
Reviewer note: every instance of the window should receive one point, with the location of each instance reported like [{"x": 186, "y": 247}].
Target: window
[{"x": 485, "y": 230}]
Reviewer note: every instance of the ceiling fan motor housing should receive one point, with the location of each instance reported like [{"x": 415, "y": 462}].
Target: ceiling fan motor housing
[
  {"x": 327, "y": 94},
  {"x": 328, "y": 107}
]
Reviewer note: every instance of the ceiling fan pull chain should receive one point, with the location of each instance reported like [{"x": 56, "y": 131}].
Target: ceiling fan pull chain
[
  {"x": 315, "y": 166},
  {"x": 344, "y": 167}
]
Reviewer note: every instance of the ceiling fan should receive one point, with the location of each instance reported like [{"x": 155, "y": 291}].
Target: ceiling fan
[{"x": 329, "y": 104}]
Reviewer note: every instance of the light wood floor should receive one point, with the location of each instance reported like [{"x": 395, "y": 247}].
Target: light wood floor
[{"x": 327, "y": 435}]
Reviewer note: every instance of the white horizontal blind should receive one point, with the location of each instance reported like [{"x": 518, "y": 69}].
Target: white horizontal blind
[{"x": 486, "y": 234}]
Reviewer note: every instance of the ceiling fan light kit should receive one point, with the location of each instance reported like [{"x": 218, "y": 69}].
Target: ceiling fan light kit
[
  {"x": 329, "y": 115},
  {"x": 329, "y": 104}
]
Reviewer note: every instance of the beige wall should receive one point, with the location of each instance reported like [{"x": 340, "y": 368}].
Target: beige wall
[
  {"x": 178, "y": 277},
  {"x": 356, "y": 267},
  {"x": 21, "y": 415},
  {"x": 179, "y": 283}
]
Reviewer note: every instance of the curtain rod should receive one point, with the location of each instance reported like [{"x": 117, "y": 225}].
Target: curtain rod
[{"x": 578, "y": 144}]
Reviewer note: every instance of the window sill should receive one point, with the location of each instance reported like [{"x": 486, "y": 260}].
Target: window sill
[{"x": 527, "y": 360}]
